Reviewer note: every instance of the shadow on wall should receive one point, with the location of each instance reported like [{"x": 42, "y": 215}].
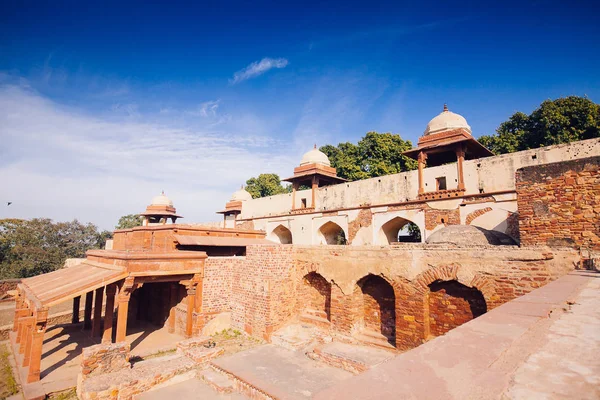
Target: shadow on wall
[{"x": 331, "y": 233}]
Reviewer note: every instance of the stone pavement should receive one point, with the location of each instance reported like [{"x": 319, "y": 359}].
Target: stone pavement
[{"x": 543, "y": 345}]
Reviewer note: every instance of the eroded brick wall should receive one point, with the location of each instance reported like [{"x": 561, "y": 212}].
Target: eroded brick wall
[
  {"x": 451, "y": 304},
  {"x": 315, "y": 295},
  {"x": 434, "y": 218},
  {"x": 559, "y": 204},
  {"x": 378, "y": 306}
]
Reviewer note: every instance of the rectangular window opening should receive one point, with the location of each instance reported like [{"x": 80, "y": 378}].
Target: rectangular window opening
[{"x": 441, "y": 183}]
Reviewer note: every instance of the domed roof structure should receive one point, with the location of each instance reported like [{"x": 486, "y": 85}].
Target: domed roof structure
[
  {"x": 315, "y": 156},
  {"x": 446, "y": 121},
  {"x": 468, "y": 235},
  {"x": 161, "y": 200},
  {"x": 241, "y": 195}
]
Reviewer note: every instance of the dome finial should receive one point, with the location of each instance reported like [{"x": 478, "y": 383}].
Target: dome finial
[
  {"x": 445, "y": 107},
  {"x": 315, "y": 146}
]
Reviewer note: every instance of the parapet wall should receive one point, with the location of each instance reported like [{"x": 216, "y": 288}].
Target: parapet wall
[{"x": 559, "y": 204}]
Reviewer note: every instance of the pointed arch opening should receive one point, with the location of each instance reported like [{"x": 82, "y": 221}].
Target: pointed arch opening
[
  {"x": 281, "y": 234},
  {"x": 332, "y": 233},
  {"x": 378, "y": 308},
  {"x": 400, "y": 230},
  {"x": 315, "y": 293},
  {"x": 452, "y": 304}
]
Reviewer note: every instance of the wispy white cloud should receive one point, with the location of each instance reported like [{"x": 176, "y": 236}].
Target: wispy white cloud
[
  {"x": 206, "y": 109},
  {"x": 258, "y": 68},
  {"x": 63, "y": 163}
]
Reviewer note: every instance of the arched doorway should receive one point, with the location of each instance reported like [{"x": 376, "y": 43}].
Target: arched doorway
[
  {"x": 399, "y": 230},
  {"x": 378, "y": 308},
  {"x": 315, "y": 296},
  {"x": 281, "y": 234},
  {"x": 331, "y": 233},
  {"x": 451, "y": 304}
]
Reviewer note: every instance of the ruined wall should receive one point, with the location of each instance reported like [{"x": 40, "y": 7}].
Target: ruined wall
[
  {"x": 559, "y": 204},
  {"x": 495, "y": 274},
  {"x": 261, "y": 296}
]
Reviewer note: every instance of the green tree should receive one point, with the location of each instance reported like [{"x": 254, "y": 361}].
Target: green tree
[
  {"x": 37, "y": 246},
  {"x": 376, "y": 154},
  {"x": 266, "y": 185},
  {"x": 129, "y": 221},
  {"x": 555, "y": 121}
]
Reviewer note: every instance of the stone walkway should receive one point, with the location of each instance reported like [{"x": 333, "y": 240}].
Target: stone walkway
[{"x": 544, "y": 345}]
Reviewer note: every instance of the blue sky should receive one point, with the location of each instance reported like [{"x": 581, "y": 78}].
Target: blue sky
[{"x": 102, "y": 106}]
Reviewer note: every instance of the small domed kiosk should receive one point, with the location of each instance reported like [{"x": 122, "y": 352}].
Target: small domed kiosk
[
  {"x": 233, "y": 208},
  {"x": 314, "y": 171},
  {"x": 447, "y": 138},
  {"x": 159, "y": 211}
]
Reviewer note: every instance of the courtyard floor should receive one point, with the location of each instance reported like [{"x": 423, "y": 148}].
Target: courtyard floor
[{"x": 63, "y": 345}]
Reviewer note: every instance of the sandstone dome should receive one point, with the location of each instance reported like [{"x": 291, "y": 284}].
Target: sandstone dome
[
  {"x": 161, "y": 200},
  {"x": 315, "y": 156},
  {"x": 468, "y": 235},
  {"x": 241, "y": 195},
  {"x": 446, "y": 121}
]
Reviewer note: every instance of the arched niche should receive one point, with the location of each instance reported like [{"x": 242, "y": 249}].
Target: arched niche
[
  {"x": 399, "y": 229},
  {"x": 281, "y": 234},
  {"x": 331, "y": 233}
]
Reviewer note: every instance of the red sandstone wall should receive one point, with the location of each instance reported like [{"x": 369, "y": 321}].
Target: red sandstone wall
[
  {"x": 216, "y": 285},
  {"x": 559, "y": 204}
]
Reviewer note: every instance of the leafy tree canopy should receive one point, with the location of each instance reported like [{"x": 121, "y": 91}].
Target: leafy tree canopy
[
  {"x": 266, "y": 185},
  {"x": 376, "y": 154},
  {"x": 37, "y": 246},
  {"x": 555, "y": 121},
  {"x": 129, "y": 221}
]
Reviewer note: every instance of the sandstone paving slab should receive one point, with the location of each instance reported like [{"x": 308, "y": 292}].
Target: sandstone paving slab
[
  {"x": 282, "y": 373},
  {"x": 567, "y": 365},
  {"x": 366, "y": 355},
  {"x": 189, "y": 389}
]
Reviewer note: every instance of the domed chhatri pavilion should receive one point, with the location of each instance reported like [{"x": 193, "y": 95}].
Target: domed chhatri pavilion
[
  {"x": 447, "y": 138},
  {"x": 159, "y": 211},
  {"x": 314, "y": 171}
]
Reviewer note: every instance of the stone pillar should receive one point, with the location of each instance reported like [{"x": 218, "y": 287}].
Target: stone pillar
[
  {"x": 37, "y": 340},
  {"x": 173, "y": 303},
  {"x": 76, "y": 305},
  {"x": 25, "y": 330},
  {"x": 109, "y": 312},
  {"x": 422, "y": 160},
  {"x": 315, "y": 186},
  {"x": 460, "y": 157},
  {"x": 97, "y": 322},
  {"x": 189, "y": 322},
  {"x": 295, "y": 187},
  {"x": 20, "y": 313},
  {"x": 87, "y": 313},
  {"x": 124, "y": 296}
]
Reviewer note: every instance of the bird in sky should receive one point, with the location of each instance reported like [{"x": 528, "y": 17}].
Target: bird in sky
[{"x": 9, "y": 203}]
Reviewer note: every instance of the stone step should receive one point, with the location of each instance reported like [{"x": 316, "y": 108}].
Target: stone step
[
  {"x": 202, "y": 354},
  {"x": 218, "y": 381},
  {"x": 373, "y": 338},
  {"x": 315, "y": 320},
  {"x": 350, "y": 357},
  {"x": 295, "y": 337}
]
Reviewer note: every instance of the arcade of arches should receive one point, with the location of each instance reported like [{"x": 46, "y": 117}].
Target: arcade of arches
[
  {"x": 399, "y": 230},
  {"x": 376, "y": 309},
  {"x": 282, "y": 235}
]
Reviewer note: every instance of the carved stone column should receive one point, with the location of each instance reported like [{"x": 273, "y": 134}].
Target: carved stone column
[
  {"x": 460, "y": 158},
  {"x": 97, "y": 322},
  {"x": 189, "y": 322},
  {"x": 76, "y": 305},
  {"x": 37, "y": 340},
  {"x": 87, "y": 313},
  {"x": 124, "y": 296},
  {"x": 109, "y": 313},
  {"x": 422, "y": 162}
]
